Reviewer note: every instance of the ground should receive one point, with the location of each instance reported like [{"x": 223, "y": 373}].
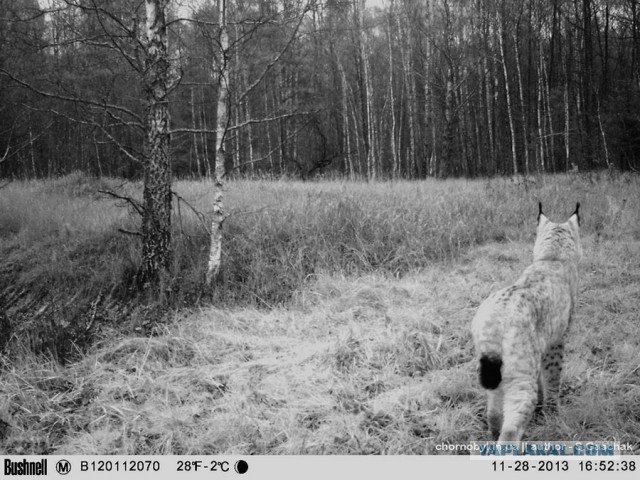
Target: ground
[{"x": 372, "y": 363}]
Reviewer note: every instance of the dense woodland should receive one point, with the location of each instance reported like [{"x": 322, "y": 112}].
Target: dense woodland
[{"x": 402, "y": 89}]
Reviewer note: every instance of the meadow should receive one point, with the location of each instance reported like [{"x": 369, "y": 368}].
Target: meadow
[{"x": 339, "y": 326}]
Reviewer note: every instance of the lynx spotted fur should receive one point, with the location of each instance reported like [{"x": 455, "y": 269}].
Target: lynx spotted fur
[{"x": 519, "y": 331}]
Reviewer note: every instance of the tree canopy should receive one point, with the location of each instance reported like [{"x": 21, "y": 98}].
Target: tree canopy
[{"x": 404, "y": 89}]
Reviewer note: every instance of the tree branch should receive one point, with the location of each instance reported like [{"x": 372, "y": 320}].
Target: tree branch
[
  {"x": 26, "y": 143},
  {"x": 129, "y": 232},
  {"x": 245, "y": 123},
  {"x": 92, "y": 103},
  {"x": 271, "y": 119},
  {"x": 129, "y": 58},
  {"x": 91, "y": 123},
  {"x": 275, "y": 60},
  {"x": 273, "y": 150},
  {"x": 131, "y": 201},
  {"x": 198, "y": 214}
]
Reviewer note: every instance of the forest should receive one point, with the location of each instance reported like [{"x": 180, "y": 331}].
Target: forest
[
  {"x": 340, "y": 88},
  {"x": 238, "y": 227}
]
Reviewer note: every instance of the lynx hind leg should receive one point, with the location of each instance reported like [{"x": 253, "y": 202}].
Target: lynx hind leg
[
  {"x": 551, "y": 374},
  {"x": 540, "y": 401},
  {"x": 520, "y": 397},
  {"x": 494, "y": 412}
]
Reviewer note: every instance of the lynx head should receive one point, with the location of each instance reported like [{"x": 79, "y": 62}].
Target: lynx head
[{"x": 558, "y": 241}]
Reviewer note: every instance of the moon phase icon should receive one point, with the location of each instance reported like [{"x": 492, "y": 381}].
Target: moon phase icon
[{"x": 241, "y": 466}]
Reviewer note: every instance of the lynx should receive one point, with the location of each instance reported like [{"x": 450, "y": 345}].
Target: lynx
[{"x": 519, "y": 331}]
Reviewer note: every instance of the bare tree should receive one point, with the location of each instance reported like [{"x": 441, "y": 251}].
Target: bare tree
[
  {"x": 503, "y": 57},
  {"x": 156, "y": 219},
  {"x": 421, "y": 87},
  {"x": 222, "y": 122}
]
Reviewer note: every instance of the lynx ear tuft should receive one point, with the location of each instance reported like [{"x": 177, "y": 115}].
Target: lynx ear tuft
[
  {"x": 540, "y": 214},
  {"x": 576, "y": 212}
]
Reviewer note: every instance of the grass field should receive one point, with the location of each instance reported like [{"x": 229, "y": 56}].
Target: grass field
[{"x": 340, "y": 325}]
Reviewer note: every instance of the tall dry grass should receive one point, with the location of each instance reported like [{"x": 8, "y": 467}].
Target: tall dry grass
[
  {"x": 339, "y": 326},
  {"x": 67, "y": 267},
  {"x": 292, "y": 231}
]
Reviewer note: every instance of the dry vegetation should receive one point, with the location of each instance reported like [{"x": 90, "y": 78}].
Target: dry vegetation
[{"x": 341, "y": 325}]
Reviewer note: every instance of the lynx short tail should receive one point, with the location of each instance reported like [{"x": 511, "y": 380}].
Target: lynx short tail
[{"x": 490, "y": 374}]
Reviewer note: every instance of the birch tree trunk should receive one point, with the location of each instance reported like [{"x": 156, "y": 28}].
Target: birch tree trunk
[
  {"x": 487, "y": 81},
  {"x": 156, "y": 220},
  {"x": 222, "y": 120},
  {"x": 392, "y": 101},
  {"x": 429, "y": 109},
  {"x": 508, "y": 94},
  {"x": 604, "y": 139},
  {"x": 195, "y": 135},
  {"x": 247, "y": 115},
  {"x": 525, "y": 132},
  {"x": 272, "y": 169},
  {"x": 235, "y": 113},
  {"x": 446, "y": 164},
  {"x": 345, "y": 116},
  {"x": 205, "y": 143},
  {"x": 547, "y": 104},
  {"x": 540, "y": 148},
  {"x": 33, "y": 156},
  {"x": 362, "y": 61},
  {"x": 462, "y": 131},
  {"x": 567, "y": 92},
  {"x": 407, "y": 64}
]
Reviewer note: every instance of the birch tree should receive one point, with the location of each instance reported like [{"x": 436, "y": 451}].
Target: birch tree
[
  {"x": 156, "y": 219},
  {"x": 396, "y": 89},
  {"x": 222, "y": 121},
  {"x": 507, "y": 90},
  {"x": 392, "y": 98}
]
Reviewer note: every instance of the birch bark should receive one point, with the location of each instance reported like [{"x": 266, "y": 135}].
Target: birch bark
[{"x": 222, "y": 121}]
